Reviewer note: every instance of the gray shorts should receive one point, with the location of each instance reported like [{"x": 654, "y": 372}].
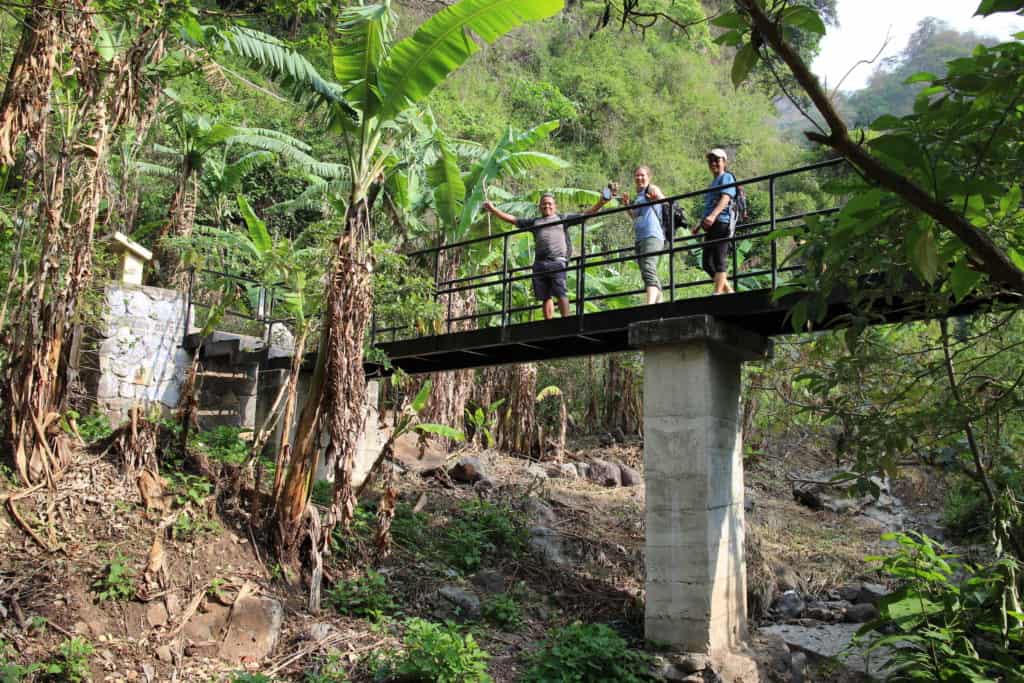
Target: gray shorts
[{"x": 648, "y": 264}]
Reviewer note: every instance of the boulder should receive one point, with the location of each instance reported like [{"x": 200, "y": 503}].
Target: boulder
[
  {"x": 537, "y": 472},
  {"x": 468, "y": 470},
  {"x": 539, "y": 513},
  {"x": 467, "y": 604},
  {"x": 253, "y": 629},
  {"x": 489, "y": 581},
  {"x": 786, "y": 578},
  {"x": 789, "y": 605},
  {"x": 604, "y": 473},
  {"x": 860, "y": 613},
  {"x": 567, "y": 470},
  {"x": 629, "y": 476},
  {"x": 870, "y": 593},
  {"x": 548, "y": 544}
]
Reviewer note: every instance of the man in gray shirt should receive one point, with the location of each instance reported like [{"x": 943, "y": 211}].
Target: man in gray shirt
[{"x": 552, "y": 252}]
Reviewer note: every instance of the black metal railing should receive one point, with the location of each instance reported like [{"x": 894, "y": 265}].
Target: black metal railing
[
  {"x": 256, "y": 321},
  {"x": 757, "y": 275}
]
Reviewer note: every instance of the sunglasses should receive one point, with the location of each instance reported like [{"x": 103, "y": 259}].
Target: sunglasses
[{"x": 712, "y": 160}]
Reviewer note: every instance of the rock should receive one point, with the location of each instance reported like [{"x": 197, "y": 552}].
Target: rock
[
  {"x": 789, "y": 605},
  {"x": 749, "y": 500},
  {"x": 319, "y": 630},
  {"x": 786, "y": 578},
  {"x": 629, "y": 476},
  {"x": 468, "y": 605},
  {"x": 583, "y": 469},
  {"x": 548, "y": 544},
  {"x": 156, "y": 614},
  {"x": 605, "y": 439},
  {"x": 568, "y": 470},
  {"x": 860, "y": 613},
  {"x": 485, "y": 484},
  {"x": 619, "y": 435},
  {"x": 253, "y": 631},
  {"x": 848, "y": 592},
  {"x": 870, "y": 593},
  {"x": 489, "y": 581},
  {"x": 691, "y": 662},
  {"x": 828, "y": 641},
  {"x": 798, "y": 667},
  {"x": 819, "y": 614},
  {"x": 539, "y": 513},
  {"x": 604, "y": 473},
  {"x": 163, "y": 653},
  {"x": 468, "y": 470},
  {"x": 537, "y": 472}
]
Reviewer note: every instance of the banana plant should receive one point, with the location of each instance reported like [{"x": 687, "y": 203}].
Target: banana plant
[{"x": 376, "y": 92}]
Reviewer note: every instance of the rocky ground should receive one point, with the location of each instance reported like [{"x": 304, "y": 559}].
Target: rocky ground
[{"x": 166, "y": 586}]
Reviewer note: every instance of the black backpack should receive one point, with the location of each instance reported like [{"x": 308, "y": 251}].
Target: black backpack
[{"x": 670, "y": 211}]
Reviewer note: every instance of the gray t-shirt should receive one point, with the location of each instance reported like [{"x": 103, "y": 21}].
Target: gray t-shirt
[{"x": 550, "y": 235}]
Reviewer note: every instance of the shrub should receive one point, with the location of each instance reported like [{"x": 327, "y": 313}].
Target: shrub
[
  {"x": 435, "y": 652},
  {"x": 91, "y": 428},
  {"x": 71, "y": 662},
  {"x": 223, "y": 444},
  {"x": 480, "y": 531},
  {"x": 503, "y": 610},
  {"x": 935, "y": 628},
  {"x": 330, "y": 670},
  {"x": 12, "y": 672},
  {"x": 366, "y": 596},
  {"x": 115, "y": 580},
  {"x": 587, "y": 653}
]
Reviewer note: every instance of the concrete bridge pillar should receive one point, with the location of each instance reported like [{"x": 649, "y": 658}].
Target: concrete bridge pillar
[{"x": 693, "y": 459}]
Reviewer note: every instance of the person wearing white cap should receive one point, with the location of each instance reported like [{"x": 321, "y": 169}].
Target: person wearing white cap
[{"x": 717, "y": 222}]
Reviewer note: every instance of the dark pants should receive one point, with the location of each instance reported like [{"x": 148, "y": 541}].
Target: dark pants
[
  {"x": 715, "y": 258},
  {"x": 549, "y": 279}
]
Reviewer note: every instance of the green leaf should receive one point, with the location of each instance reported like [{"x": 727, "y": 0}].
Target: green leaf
[
  {"x": 1010, "y": 202},
  {"x": 1017, "y": 258},
  {"x": 449, "y": 190},
  {"x": 922, "y": 253},
  {"x": 442, "y": 430},
  {"x": 444, "y": 42},
  {"x": 258, "y": 235},
  {"x": 963, "y": 280},
  {"x": 420, "y": 402},
  {"x": 730, "y": 20},
  {"x": 988, "y": 7},
  {"x": 886, "y": 122},
  {"x": 744, "y": 61},
  {"x": 803, "y": 18},
  {"x": 921, "y": 76},
  {"x": 359, "y": 51}
]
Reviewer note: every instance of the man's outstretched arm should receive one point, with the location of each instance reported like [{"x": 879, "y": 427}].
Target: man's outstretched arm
[{"x": 507, "y": 217}]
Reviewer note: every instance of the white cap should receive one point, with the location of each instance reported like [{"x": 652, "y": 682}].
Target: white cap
[{"x": 718, "y": 152}]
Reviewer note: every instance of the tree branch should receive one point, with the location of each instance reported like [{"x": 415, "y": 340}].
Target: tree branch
[{"x": 992, "y": 259}]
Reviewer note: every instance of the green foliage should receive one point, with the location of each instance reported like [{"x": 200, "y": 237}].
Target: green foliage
[
  {"x": 940, "y": 628},
  {"x": 70, "y": 664},
  {"x": 437, "y": 653},
  {"x": 91, "y": 428},
  {"x": 503, "y": 610},
  {"x": 189, "y": 488},
  {"x": 331, "y": 669},
  {"x": 245, "y": 677},
  {"x": 482, "y": 420},
  {"x": 187, "y": 525},
  {"x": 482, "y": 531},
  {"x": 366, "y": 596},
  {"x": 587, "y": 653},
  {"x": 12, "y": 672},
  {"x": 115, "y": 580},
  {"x": 223, "y": 444}
]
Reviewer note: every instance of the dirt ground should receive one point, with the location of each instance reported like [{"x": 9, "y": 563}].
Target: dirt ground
[{"x": 55, "y": 546}]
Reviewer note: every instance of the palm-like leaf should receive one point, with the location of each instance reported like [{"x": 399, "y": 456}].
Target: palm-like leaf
[
  {"x": 444, "y": 42},
  {"x": 364, "y": 37},
  {"x": 289, "y": 152},
  {"x": 295, "y": 72},
  {"x": 146, "y": 168},
  {"x": 233, "y": 172},
  {"x": 449, "y": 190}
]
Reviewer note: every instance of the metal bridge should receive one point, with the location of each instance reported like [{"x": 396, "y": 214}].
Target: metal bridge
[{"x": 503, "y": 327}]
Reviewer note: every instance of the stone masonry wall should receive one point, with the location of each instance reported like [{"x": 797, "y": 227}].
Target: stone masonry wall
[{"x": 139, "y": 352}]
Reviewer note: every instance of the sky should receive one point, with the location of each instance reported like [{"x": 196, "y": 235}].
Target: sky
[{"x": 863, "y": 25}]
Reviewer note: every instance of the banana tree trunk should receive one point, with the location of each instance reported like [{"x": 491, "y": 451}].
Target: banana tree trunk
[
  {"x": 622, "y": 401},
  {"x": 515, "y": 430},
  {"x": 181, "y": 217},
  {"x": 336, "y": 393},
  {"x": 451, "y": 389}
]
